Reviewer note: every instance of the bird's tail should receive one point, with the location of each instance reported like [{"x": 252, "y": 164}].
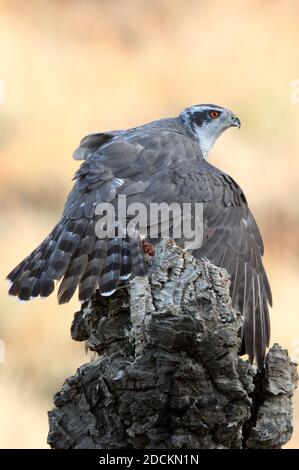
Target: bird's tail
[{"x": 74, "y": 255}]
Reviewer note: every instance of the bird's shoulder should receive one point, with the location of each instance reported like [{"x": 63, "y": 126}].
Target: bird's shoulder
[
  {"x": 213, "y": 182},
  {"x": 135, "y": 153},
  {"x": 151, "y": 135}
]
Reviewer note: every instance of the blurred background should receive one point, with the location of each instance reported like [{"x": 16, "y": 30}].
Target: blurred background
[{"x": 69, "y": 68}]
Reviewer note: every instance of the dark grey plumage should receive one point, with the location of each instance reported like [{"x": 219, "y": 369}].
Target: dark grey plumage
[{"x": 159, "y": 162}]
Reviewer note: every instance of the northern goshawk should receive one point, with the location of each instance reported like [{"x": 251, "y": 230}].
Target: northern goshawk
[{"x": 162, "y": 161}]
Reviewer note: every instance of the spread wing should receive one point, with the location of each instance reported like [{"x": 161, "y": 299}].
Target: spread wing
[
  {"x": 232, "y": 240},
  {"x": 72, "y": 254},
  {"x": 154, "y": 164}
]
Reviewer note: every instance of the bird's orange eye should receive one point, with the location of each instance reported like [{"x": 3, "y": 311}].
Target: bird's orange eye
[{"x": 214, "y": 114}]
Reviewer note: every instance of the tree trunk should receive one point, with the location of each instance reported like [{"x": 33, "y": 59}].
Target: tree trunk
[{"x": 167, "y": 373}]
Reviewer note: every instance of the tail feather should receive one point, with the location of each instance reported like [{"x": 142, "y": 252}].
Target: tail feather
[
  {"x": 65, "y": 248},
  {"x": 72, "y": 278},
  {"x": 25, "y": 278},
  {"x": 18, "y": 271},
  {"x": 47, "y": 286},
  {"x": 126, "y": 264},
  {"x": 111, "y": 272},
  {"x": 90, "y": 279},
  {"x": 73, "y": 253},
  {"x": 137, "y": 257},
  {"x": 40, "y": 265},
  {"x": 77, "y": 266}
]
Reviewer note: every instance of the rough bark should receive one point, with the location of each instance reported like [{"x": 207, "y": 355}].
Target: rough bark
[{"x": 167, "y": 373}]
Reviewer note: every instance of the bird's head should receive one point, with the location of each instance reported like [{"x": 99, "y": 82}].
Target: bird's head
[{"x": 206, "y": 122}]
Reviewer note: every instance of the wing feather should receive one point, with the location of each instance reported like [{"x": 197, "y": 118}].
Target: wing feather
[{"x": 158, "y": 162}]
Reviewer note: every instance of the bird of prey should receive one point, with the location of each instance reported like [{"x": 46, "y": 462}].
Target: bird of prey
[{"x": 162, "y": 161}]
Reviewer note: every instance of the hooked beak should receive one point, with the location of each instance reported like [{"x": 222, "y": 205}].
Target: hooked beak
[{"x": 236, "y": 121}]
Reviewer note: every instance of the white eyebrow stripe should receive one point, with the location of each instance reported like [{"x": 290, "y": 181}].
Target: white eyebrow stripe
[{"x": 205, "y": 108}]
